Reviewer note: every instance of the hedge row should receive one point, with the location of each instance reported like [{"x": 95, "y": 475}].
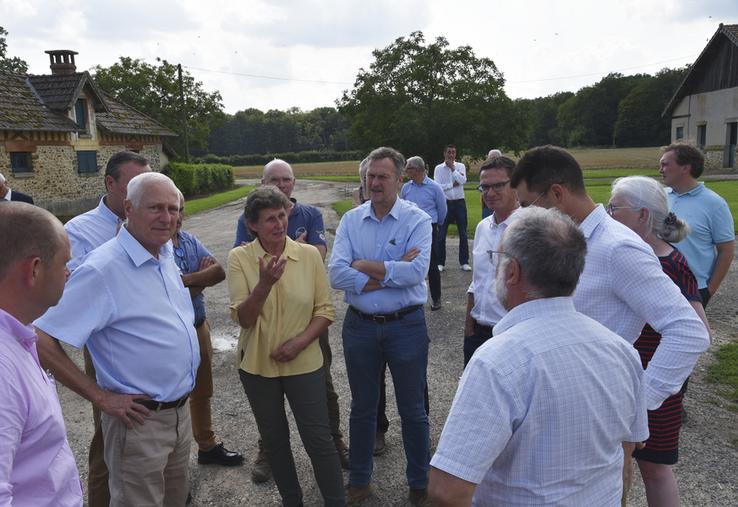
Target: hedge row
[
  {"x": 291, "y": 157},
  {"x": 197, "y": 179}
]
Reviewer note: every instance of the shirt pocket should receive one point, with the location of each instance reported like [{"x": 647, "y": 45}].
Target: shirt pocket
[{"x": 394, "y": 252}]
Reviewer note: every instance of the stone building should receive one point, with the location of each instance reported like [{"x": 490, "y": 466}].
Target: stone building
[
  {"x": 704, "y": 109},
  {"x": 57, "y": 132}
]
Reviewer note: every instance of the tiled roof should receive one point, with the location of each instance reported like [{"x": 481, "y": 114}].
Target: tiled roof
[
  {"x": 22, "y": 109},
  {"x": 729, "y": 31},
  {"x": 123, "y": 119},
  {"x": 42, "y": 103}
]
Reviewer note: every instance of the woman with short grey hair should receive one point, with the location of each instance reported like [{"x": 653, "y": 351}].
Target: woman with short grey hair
[{"x": 641, "y": 204}]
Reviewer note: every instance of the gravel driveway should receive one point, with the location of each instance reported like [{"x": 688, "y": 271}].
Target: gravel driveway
[{"x": 707, "y": 471}]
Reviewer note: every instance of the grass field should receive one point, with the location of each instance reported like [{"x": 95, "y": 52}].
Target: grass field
[
  {"x": 725, "y": 372},
  {"x": 213, "y": 201},
  {"x": 588, "y": 158}
]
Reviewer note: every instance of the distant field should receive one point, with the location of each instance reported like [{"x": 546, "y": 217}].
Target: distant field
[{"x": 589, "y": 159}]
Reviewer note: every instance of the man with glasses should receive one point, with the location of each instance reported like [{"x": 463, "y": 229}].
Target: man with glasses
[
  {"x": 623, "y": 286},
  {"x": 451, "y": 175},
  {"x": 428, "y": 196},
  {"x": 483, "y": 310},
  {"x": 200, "y": 270}
]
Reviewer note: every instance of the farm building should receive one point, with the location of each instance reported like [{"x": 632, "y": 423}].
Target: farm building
[
  {"x": 704, "y": 109},
  {"x": 57, "y": 132}
]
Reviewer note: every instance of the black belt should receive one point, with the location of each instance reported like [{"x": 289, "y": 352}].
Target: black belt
[
  {"x": 454, "y": 200},
  {"x": 163, "y": 405},
  {"x": 386, "y": 317}
]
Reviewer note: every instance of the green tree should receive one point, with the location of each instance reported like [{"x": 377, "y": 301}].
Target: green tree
[
  {"x": 639, "y": 120},
  {"x": 588, "y": 118},
  {"x": 154, "y": 90},
  {"x": 14, "y": 64},
  {"x": 540, "y": 118},
  {"x": 417, "y": 97}
]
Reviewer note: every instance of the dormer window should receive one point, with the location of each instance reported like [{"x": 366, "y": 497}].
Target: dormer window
[{"x": 80, "y": 115}]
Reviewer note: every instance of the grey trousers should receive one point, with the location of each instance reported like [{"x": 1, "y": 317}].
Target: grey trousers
[{"x": 306, "y": 395}]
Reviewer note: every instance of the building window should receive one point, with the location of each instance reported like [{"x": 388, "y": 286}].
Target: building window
[
  {"x": 20, "y": 162},
  {"x": 701, "y": 136},
  {"x": 86, "y": 162},
  {"x": 80, "y": 114},
  {"x": 679, "y": 133}
]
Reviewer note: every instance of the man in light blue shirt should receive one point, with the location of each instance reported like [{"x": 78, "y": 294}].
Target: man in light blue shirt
[
  {"x": 709, "y": 247},
  {"x": 428, "y": 196},
  {"x": 380, "y": 258},
  {"x": 127, "y": 302},
  {"x": 543, "y": 408}
]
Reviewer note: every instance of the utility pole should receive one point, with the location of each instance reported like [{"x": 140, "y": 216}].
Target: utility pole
[{"x": 184, "y": 113}]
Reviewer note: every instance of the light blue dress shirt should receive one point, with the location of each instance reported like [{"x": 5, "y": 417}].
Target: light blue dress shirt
[
  {"x": 360, "y": 235},
  {"x": 135, "y": 316},
  {"x": 428, "y": 196},
  {"x": 90, "y": 230},
  {"x": 710, "y": 224}
]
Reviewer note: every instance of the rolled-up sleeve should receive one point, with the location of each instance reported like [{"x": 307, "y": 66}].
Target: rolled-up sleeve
[
  {"x": 323, "y": 304},
  {"x": 656, "y": 299}
]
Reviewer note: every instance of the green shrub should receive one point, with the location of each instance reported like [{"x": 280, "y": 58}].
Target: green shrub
[
  {"x": 300, "y": 157},
  {"x": 198, "y": 179}
]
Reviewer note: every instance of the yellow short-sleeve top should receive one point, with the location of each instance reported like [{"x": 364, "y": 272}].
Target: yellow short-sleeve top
[{"x": 301, "y": 294}]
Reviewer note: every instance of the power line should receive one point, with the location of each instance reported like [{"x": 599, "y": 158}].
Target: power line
[{"x": 346, "y": 83}]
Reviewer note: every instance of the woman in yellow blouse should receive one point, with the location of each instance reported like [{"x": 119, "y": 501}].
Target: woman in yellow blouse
[{"x": 280, "y": 298}]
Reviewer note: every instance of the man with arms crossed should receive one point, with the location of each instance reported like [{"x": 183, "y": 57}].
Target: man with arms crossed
[
  {"x": 483, "y": 309},
  {"x": 451, "y": 175},
  {"x": 543, "y": 408},
  {"x": 380, "y": 259},
  {"x": 127, "y": 302},
  {"x": 709, "y": 247},
  {"x": 36, "y": 464},
  {"x": 304, "y": 225}
]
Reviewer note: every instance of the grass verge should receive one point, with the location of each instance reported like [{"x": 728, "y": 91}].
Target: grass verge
[
  {"x": 215, "y": 200},
  {"x": 724, "y": 371}
]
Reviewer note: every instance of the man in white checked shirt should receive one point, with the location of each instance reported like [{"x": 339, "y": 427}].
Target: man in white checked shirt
[
  {"x": 623, "y": 286},
  {"x": 543, "y": 408}
]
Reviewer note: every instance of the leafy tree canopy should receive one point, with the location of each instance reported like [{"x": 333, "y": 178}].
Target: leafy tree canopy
[
  {"x": 154, "y": 90},
  {"x": 14, "y": 64},
  {"x": 417, "y": 97}
]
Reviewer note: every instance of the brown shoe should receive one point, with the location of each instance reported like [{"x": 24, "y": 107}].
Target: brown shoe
[
  {"x": 343, "y": 452},
  {"x": 418, "y": 497},
  {"x": 355, "y": 495},
  {"x": 379, "y": 444},
  {"x": 261, "y": 471}
]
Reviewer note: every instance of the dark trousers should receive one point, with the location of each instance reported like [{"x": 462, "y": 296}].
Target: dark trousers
[
  {"x": 334, "y": 414},
  {"x": 473, "y": 342},
  {"x": 456, "y": 215},
  {"x": 434, "y": 276},
  {"x": 705, "y": 294},
  {"x": 97, "y": 479},
  {"x": 382, "y": 421},
  {"x": 306, "y": 396}
]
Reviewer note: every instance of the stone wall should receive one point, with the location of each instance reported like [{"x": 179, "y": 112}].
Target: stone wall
[{"x": 55, "y": 183}]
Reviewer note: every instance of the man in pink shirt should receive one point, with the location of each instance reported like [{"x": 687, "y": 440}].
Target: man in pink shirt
[{"x": 36, "y": 464}]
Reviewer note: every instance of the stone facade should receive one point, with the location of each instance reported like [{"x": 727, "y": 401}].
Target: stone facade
[{"x": 55, "y": 183}]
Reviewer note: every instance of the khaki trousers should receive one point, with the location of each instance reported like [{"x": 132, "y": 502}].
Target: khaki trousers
[
  {"x": 202, "y": 420},
  {"x": 148, "y": 464},
  {"x": 97, "y": 478}
]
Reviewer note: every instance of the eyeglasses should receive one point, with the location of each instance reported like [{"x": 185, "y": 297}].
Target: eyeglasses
[
  {"x": 496, "y": 255},
  {"x": 497, "y": 187},
  {"x": 181, "y": 259},
  {"x": 611, "y": 209},
  {"x": 525, "y": 205}
]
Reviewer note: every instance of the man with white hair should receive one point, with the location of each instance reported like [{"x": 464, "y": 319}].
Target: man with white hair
[
  {"x": 8, "y": 194},
  {"x": 130, "y": 307},
  {"x": 543, "y": 408}
]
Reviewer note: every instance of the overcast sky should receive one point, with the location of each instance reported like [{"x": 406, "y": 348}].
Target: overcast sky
[{"x": 315, "y": 48}]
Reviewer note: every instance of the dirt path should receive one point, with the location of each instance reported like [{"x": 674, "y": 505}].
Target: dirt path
[{"x": 708, "y": 468}]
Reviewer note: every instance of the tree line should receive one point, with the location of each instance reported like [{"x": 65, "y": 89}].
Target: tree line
[{"x": 416, "y": 96}]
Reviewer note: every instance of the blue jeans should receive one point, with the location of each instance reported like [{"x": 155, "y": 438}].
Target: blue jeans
[
  {"x": 456, "y": 215},
  {"x": 403, "y": 345}
]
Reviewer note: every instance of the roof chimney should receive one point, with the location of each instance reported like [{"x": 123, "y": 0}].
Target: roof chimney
[{"x": 62, "y": 61}]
